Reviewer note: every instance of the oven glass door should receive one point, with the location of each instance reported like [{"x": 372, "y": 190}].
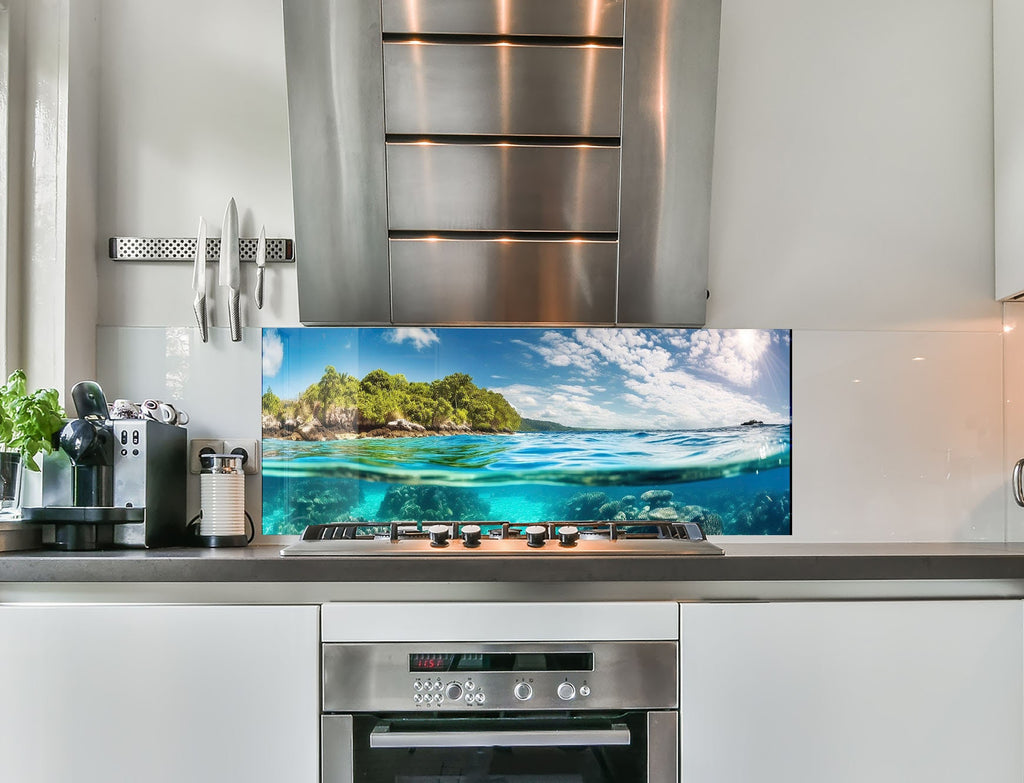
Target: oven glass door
[{"x": 604, "y": 748}]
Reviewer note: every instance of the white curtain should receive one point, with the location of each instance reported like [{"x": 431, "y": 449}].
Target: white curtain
[
  {"x": 5, "y": 113},
  {"x": 48, "y": 247}
]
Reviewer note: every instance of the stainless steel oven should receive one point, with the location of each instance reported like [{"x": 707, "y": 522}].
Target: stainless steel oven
[{"x": 518, "y": 712}]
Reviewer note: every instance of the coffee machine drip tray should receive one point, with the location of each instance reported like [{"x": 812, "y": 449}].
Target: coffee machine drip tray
[
  {"x": 90, "y": 515},
  {"x": 78, "y": 528}
]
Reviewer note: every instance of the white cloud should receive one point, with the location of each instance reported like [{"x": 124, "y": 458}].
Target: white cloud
[
  {"x": 566, "y": 405},
  {"x": 522, "y": 397},
  {"x": 273, "y": 353},
  {"x": 560, "y": 350},
  {"x": 662, "y": 389},
  {"x": 582, "y": 391},
  {"x": 734, "y": 355},
  {"x": 679, "y": 400},
  {"x": 419, "y": 337},
  {"x": 629, "y": 349}
]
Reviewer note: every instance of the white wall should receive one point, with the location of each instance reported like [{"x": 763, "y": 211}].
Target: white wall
[
  {"x": 852, "y": 203},
  {"x": 194, "y": 112}
]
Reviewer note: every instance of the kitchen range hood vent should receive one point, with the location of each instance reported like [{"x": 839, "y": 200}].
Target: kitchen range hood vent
[{"x": 502, "y": 161}]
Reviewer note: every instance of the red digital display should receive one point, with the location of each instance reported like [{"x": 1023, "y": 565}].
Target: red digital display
[
  {"x": 502, "y": 662},
  {"x": 430, "y": 662}
]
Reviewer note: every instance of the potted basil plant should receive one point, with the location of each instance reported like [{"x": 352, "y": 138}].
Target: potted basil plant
[{"x": 28, "y": 423}]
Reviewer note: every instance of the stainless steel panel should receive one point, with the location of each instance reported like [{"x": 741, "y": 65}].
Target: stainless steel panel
[
  {"x": 376, "y": 677},
  {"x": 336, "y": 749},
  {"x": 476, "y": 281},
  {"x": 670, "y": 68},
  {"x": 663, "y": 747},
  {"x": 502, "y": 89},
  {"x": 662, "y": 548},
  {"x": 502, "y": 187},
  {"x": 336, "y": 124},
  {"x": 597, "y": 18},
  {"x": 16, "y": 536}
]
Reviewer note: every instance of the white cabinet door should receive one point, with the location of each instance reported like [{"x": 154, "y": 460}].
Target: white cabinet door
[
  {"x": 886, "y": 692},
  {"x": 161, "y": 694},
  {"x": 1008, "y": 128}
]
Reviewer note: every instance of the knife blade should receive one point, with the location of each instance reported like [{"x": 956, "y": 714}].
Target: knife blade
[
  {"x": 229, "y": 274},
  {"x": 199, "y": 281},
  {"x": 261, "y": 262}
]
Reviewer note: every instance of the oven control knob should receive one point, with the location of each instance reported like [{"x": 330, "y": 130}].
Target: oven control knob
[
  {"x": 568, "y": 535},
  {"x": 471, "y": 535},
  {"x": 584, "y": 690},
  {"x": 453, "y": 692},
  {"x": 566, "y": 691},
  {"x": 535, "y": 535},
  {"x": 522, "y": 691},
  {"x": 438, "y": 535}
]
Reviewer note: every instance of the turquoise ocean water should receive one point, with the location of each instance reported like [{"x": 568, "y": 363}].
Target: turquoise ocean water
[{"x": 738, "y": 477}]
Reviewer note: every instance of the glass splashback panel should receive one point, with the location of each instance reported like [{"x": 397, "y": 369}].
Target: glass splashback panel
[{"x": 527, "y": 425}]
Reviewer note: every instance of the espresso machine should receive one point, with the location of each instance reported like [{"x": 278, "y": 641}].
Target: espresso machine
[{"x": 112, "y": 482}]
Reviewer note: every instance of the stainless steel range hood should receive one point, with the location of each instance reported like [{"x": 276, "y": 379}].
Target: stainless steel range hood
[{"x": 502, "y": 161}]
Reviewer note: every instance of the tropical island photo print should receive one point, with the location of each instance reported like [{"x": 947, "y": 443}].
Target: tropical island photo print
[{"x": 526, "y": 425}]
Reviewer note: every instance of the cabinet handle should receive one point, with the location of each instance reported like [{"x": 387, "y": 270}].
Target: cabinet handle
[{"x": 1018, "y": 488}]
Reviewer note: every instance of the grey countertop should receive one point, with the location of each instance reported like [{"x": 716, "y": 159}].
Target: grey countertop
[{"x": 747, "y": 562}]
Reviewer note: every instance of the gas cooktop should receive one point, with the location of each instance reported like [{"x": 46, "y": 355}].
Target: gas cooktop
[{"x": 460, "y": 539}]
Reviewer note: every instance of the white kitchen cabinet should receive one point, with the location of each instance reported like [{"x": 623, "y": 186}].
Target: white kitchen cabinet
[
  {"x": 1008, "y": 134},
  {"x": 901, "y": 692},
  {"x": 161, "y": 694}
]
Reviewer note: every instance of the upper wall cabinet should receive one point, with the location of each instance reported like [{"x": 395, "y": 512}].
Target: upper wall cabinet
[
  {"x": 502, "y": 161},
  {"x": 1008, "y": 107}
]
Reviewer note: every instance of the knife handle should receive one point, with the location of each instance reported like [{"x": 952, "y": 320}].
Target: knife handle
[
  {"x": 258, "y": 295},
  {"x": 234, "y": 317},
  {"x": 199, "y": 306}
]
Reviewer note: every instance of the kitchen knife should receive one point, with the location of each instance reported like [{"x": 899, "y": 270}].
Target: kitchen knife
[
  {"x": 199, "y": 281},
  {"x": 229, "y": 275},
  {"x": 261, "y": 262}
]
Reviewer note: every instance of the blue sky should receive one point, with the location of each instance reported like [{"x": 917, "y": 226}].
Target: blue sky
[{"x": 600, "y": 378}]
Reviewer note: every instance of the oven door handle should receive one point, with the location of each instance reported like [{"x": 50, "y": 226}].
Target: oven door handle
[{"x": 383, "y": 737}]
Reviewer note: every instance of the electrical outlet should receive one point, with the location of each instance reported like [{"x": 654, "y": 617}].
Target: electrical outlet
[
  {"x": 199, "y": 446},
  {"x": 250, "y": 451}
]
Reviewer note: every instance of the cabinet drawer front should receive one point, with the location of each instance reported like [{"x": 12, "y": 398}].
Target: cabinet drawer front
[
  {"x": 504, "y": 17},
  {"x": 496, "y": 187},
  {"x": 502, "y": 281},
  {"x": 502, "y": 89}
]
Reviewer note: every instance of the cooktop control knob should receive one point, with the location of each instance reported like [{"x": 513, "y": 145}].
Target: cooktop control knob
[
  {"x": 568, "y": 535},
  {"x": 535, "y": 535},
  {"x": 522, "y": 691},
  {"x": 453, "y": 692},
  {"x": 471, "y": 535},
  {"x": 438, "y": 535},
  {"x": 566, "y": 691}
]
